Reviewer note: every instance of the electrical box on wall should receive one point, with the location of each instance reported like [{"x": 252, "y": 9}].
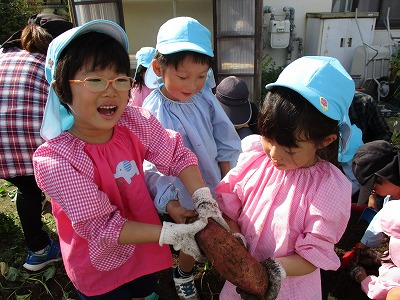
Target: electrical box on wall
[{"x": 279, "y": 33}]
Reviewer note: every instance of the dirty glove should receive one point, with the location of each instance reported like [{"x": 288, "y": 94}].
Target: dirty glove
[
  {"x": 207, "y": 207},
  {"x": 369, "y": 258},
  {"x": 181, "y": 237},
  {"x": 275, "y": 273}
]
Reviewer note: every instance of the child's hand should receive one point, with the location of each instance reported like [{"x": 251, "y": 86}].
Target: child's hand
[
  {"x": 373, "y": 201},
  {"x": 180, "y": 214},
  {"x": 181, "y": 237},
  {"x": 207, "y": 207}
]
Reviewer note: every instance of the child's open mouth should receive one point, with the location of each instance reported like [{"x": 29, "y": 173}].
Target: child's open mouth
[{"x": 107, "y": 110}]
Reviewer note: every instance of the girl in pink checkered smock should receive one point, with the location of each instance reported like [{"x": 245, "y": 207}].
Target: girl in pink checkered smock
[
  {"x": 111, "y": 237},
  {"x": 286, "y": 199}
]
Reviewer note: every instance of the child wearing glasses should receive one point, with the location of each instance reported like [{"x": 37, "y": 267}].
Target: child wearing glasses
[
  {"x": 183, "y": 101},
  {"x": 110, "y": 234}
]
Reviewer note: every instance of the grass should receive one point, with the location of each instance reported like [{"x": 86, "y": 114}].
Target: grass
[{"x": 15, "y": 281}]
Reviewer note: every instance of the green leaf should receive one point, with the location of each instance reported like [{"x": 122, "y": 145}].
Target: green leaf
[
  {"x": 12, "y": 274},
  {"x": 23, "y": 297},
  {"x": 49, "y": 273}
]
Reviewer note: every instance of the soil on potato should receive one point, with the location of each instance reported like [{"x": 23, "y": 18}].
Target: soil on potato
[{"x": 335, "y": 284}]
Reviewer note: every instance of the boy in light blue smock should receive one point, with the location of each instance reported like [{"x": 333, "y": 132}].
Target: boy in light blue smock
[{"x": 183, "y": 101}]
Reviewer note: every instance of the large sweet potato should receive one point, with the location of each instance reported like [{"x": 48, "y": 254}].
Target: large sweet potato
[{"x": 231, "y": 260}]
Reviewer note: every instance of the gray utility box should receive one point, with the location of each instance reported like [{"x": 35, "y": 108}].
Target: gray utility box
[{"x": 338, "y": 35}]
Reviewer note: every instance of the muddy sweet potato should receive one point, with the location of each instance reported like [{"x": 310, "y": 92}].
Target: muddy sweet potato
[{"x": 231, "y": 260}]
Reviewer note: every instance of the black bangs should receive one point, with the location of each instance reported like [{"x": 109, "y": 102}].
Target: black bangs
[
  {"x": 96, "y": 51},
  {"x": 91, "y": 51},
  {"x": 112, "y": 55},
  {"x": 288, "y": 118},
  {"x": 176, "y": 58},
  {"x": 279, "y": 118}
]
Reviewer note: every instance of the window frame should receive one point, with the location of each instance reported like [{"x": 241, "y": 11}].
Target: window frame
[
  {"x": 76, "y": 5},
  {"x": 382, "y": 7}
]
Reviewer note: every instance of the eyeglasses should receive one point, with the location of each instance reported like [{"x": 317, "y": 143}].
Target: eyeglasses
[{"x": 99, "y": 84}]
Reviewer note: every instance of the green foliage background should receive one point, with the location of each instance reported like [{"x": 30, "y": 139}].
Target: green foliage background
[
  {"x": 270, "y": 73},
  {"x": 14, "y": 15}
]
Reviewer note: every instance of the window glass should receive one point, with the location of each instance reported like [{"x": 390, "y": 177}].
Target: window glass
[
  {"x": 236, "y": 55},
  {"x": 88, "y": 12},
  {"x": 236, "y": 17},
  {"x": 381, "y": 6},
  {"x": 341, "y": 5}
]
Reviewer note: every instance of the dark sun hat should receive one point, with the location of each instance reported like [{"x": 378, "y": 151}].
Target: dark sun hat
[
  {"x": 54, "y": 24},
  {"x": 233, "y": 94},
  {"x": 376, "y": 158}
]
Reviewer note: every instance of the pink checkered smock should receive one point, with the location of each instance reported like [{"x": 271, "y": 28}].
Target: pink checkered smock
[
  {"x": 303, "y": 211},
  {"x": 96, "y": 188}
]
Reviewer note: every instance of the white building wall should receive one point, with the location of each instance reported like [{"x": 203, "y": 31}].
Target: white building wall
[{"x": 300, "y": 9}]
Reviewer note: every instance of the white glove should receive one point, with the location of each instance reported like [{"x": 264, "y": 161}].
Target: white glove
[
  {"x": 181, "y": 237},
  {"x": 207, "y": 207}
]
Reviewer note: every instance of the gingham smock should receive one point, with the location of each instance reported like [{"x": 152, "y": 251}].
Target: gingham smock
[
  {"x": 96, "y": 188},
  {"x": 303, "y": 211},
  {"x": 23, "y": 95}
]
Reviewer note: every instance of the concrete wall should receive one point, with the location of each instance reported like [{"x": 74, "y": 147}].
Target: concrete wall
[{"x": 300, "y": 8}]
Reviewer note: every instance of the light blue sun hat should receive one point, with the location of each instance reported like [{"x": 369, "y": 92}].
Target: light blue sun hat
[
  {"x": 144, "y": 57},
  {"x": 325, "y": 83},
  {"x": 56, "y": 118},
  {"x": 181, "y": 34},
  {"x": 184, "y": 34}
]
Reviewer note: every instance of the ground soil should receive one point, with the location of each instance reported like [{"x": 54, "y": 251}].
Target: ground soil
[{"x": 335, "y": 284}]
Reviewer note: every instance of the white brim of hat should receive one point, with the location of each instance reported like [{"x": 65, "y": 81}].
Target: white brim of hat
[
  {"x": 170, "y": 48},
  {"x": 151, "y": 80},
  {"x": 104, "y": 26},
  {"x": 59, "y": 43}
]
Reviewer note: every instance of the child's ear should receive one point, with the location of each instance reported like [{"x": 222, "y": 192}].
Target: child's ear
[
  {"x": 329, "y": 140},
  {"x": 156, "y": 67}
]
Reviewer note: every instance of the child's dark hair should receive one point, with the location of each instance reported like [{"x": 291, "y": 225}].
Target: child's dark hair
[
  {"x": 176, "y": 58},
  {"x": 287, "y": 118},
  {"x": 139, "y": 78},
  {"x": 93, "y": 51}
]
